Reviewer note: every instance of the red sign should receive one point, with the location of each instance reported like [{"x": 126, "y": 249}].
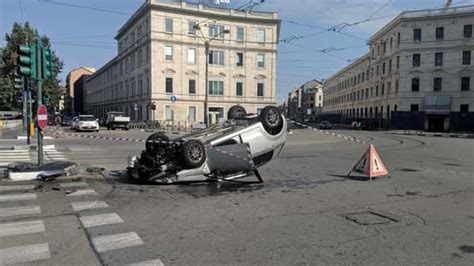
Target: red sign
[{"x": 42, "y": 117}]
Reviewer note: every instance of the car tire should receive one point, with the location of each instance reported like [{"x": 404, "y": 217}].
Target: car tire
[
  {"x": 236, "y": 111},
  {"x": 193, "y": 153},
  {"x": 271, "y": 119},
  {"x": 155, "y": 137}
]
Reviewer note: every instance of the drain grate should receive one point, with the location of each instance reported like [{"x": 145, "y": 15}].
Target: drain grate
[{"x": 371, "y": 218}]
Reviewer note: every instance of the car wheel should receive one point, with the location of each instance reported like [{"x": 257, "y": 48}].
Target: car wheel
[
  {"x": 236, "y": 111},
  {"x": 271, "y": 120},
  {"x": 149, "y": 147},
  {"x": 193, "y": 153}
]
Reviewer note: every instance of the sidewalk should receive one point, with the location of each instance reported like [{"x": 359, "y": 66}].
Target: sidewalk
[{"x": 431, "y": 134}]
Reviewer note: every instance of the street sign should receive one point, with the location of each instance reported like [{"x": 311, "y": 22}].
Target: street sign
[
  {"x": 42, "y": 117},
  {"x": 135, "y": 107},
  {"x": 173, "y": 99}
]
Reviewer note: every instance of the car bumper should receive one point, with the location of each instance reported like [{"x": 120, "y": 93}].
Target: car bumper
[{"x": 85, "y": 128}]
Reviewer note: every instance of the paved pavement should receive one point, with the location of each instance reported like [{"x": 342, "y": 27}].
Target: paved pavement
[{"x": 306, "y": 212}]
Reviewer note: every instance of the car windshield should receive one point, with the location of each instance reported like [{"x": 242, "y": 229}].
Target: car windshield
[
  {"x": 116, "y": 114},
  {"x": 86, "y": 118}
]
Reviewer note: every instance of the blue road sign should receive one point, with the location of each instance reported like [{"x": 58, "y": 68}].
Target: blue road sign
[
  {"x": 173, "y": 98},
  {"x": 135, "y": 107}
]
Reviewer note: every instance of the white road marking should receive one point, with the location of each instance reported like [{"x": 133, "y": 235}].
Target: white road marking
[
  {"x": 13, "y": 211},
  {"x": 156, "y": 262},
  {"x": 100, "y": 219},
  {"x": 13, "y": 197},
  {"x": 87, "y": 205},
  {"x": 16, "y": 188},
  {"x": 82, "y": 192},
  {"x": 21, "y": 228},
  {"x": 116, "y": 241},
  {"x": 73, "y": 184},
  {"x": 24, "y": 254}
]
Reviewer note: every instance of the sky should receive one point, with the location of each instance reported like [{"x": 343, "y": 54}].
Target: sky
[{"x": 307, "y": 49}]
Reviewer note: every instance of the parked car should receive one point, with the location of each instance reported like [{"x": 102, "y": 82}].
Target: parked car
[
  {"x": 325, "y": 125},
  {"x": 230, "y": 150},
  {"x": 117, "y": 120},
  {"x": 87, "y": 123},
  {"x": 66, "y": 122},
  {"x": 74, "y": 122}
]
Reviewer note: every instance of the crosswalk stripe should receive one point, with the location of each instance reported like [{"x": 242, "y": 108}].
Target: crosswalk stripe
[
  {"x": 21, "y": 228},
  {"x": 13, "y": 197},
  {"x": 73, "y": 184},
  {"x": 156, "y": 262},
  {"x": 16, "y": 188},
  {"x": 87, "y": 205},
  {"x": 116, "y": 241},
  {"x": 100, "y": 219},
  {"x": 13, "y": 211},
  {"x": 83, "y": 192},
  {"x": 24, "y": 254}
]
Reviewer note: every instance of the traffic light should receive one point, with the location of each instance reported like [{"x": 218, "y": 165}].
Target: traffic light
[
  {"x": 26, "y": 61},
  {"x": 47, "y": 64},
  {"x": 46, "y": 100},
  {"x": 19, "y": 96},
  {"x": 18, "y": 82}
]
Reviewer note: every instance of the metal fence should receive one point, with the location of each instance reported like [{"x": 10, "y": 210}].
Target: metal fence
[{"x": 163, "y": 125}]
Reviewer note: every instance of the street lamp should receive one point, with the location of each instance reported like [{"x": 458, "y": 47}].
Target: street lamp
[{"x": 206, "y": 51}]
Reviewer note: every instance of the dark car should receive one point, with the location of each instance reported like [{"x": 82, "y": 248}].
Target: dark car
[{"x": 325, "y": 125}]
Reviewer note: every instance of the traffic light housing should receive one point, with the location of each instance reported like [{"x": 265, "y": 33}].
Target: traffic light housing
[
  {"x": 46, "y": 100},
  {"x": 47, "y": 64},
  {"x": 18, "y": 82},
  {"x": 19, "y": 96},
  {"x": 26, "y": 61}
]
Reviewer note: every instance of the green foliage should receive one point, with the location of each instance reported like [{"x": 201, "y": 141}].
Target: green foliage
[{"x": 24, "y": 34}]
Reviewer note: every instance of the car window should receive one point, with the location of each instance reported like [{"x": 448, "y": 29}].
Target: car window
[{"x": 86, "y": 118}]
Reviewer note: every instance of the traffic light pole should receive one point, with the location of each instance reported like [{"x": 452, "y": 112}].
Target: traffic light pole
[
  {"x": 39, "y": 99},
  {"x": 25, "y": 106}
]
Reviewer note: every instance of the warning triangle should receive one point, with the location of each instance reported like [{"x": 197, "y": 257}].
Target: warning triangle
[{"x": 370, "y": 164}]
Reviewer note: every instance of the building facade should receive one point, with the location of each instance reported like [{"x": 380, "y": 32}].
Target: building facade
[
  {"x": 161, "y": 62},
  {"x": 420, "y": 64},
  {"x": 71, "y": 78},
  {"x": 306, "y": 101}
]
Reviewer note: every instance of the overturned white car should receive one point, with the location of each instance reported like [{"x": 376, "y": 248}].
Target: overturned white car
[{"x": 230, "y": 150}]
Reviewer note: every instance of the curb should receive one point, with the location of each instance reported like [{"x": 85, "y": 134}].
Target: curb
[
  {"x": 353, "y": 139},
  {"x": 34, "y": 175}
]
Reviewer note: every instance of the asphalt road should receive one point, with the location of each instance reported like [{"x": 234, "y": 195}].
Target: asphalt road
[{"x": 306, "y": 212}]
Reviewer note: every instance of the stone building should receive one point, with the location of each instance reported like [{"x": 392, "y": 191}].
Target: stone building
[
  {"x": 306, "y": 100},
  {"x": 71, "y": 78},
  {"x": 419, "y": 65},
  {"x": 161, "y": 61}
]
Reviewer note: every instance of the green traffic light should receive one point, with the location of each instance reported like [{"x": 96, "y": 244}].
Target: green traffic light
[
  {"x": 26, "y": 61},
  {"x": 47, "y": 66}
]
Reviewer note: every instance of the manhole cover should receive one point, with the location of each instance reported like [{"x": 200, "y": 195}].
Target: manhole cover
[{"x": 371, "y": 218}]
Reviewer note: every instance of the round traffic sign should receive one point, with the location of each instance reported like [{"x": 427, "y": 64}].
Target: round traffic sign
[
  {"x": 42, "y": 117},
  {"x": 173, "y": 98}
]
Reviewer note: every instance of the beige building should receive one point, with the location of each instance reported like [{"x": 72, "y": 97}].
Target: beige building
[
  {"x": 421, "y": 62},
  {"x": 306, "y": 101},
  {"x": 161, "y": 55},
  {"x": 71, "y": 78}
]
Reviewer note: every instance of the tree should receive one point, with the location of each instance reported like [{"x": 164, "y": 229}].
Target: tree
[{"x": 25, "y": 34}]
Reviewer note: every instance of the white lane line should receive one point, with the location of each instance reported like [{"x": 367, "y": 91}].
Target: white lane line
[
  {"x": 16, "y": 188},
  {"x": 73, "y": 184},
  {"x": 24, "y": 254},
  {"x": 82, "y": 192},
  {"x": 21, "y": 228},
  {"x": 100, "y": 219},
  {"x": 13, "y": 197},
  {"x": 156, "y": 262},
  {"x": 116, "y": 241},
  {"x": 13, "y": 211},
  {"x": 87, "y": 205}
]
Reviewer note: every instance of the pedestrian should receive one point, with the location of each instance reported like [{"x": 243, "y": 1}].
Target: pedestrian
[{"x": 58, "y": 121}]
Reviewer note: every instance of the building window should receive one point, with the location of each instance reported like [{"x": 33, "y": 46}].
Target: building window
[
  {"x": 466, "y": 58},
  {"x": 192, "y": 113},
  {"x": 415, "y": 84},
  {"x": 439, "y": 33},
  {"x": 169, "y": 85},
  {"x": 239, "y": 58},
  {"x": 260, "y": 89},
  {"x": 239, "y": 88},
  {"x": 437, "y": 84},
  {"x": 390, "y": 66},
  {"x": 464, "y": 107},
  {"x": 216, "y": 88},
  {"x": 468, "y": 31},
  {"x": 240, "y": 33},
  {"x": 168, "y": 113},
  {"x": 439, "y": 59},
  {"x": 260, "y": 35},
  {"x": 465, "y": 83},
  {"x": 191, "y": 29},
  {"x": 168, "y": 53},
  {"x": 383, "y": 68},
  {"x": 216, "y": 31},
  {"x": 376, "y": 91},
  {"x": 417, "y": 35},
  {"x": 216, "y": 57},
  {"x": 416, "y": 60},
  {"x": 168, "y": 25},
  {"x": 192, "y": 56},
  {"x": 383, "y": 89},
  {"x": 398, "y": 39},
  {"x": 398, "y": 62},
  {"x": 414, "y": 108},
  {"x": 260, "y": 60},
  {"x": 192, "y": 86}
]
